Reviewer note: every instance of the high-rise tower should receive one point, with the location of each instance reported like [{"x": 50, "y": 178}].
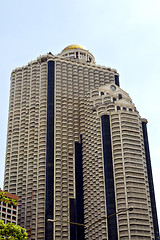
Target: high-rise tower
[{"x": 77, "y": 149}]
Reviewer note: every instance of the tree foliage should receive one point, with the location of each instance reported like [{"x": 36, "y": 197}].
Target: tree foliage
[
  {"x": 10, "y": 231},
  {"x": 4, "y": 198}
]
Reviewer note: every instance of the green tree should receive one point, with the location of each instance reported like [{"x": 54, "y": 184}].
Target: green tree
[{"x": 10, "y": 231}]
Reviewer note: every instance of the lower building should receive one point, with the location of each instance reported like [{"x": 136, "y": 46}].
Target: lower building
[{"x": 8, "y": 210}]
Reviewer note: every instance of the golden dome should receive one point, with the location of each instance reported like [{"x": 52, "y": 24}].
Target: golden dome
[{"x": 73, "y": 46}]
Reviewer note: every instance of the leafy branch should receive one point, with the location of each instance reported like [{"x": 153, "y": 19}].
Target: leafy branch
[
  {"x": 10, "y": 231},
  {"x": 5, "y": 199}
]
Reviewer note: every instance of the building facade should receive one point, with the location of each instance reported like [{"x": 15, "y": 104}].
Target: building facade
[{"x": 77, "y": 150}]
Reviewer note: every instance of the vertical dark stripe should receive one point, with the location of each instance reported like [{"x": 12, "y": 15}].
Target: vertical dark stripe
[
  {"x": 73, "y": 228},
  {"x": 79, "y": 189},
  {"x": 117, "y": 80},
  {"x": 109, "y": 179},
  {"x": 150, "y": 180},
  {"x": 50, "y": 154}
]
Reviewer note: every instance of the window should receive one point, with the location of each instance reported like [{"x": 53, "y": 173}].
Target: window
[
  {"x": 8, "y": 211},
  {"x": 120, "y": 96},
  {"x": 76, "y": 54},
  {"x": 102, "y": 93},
  {"x": 118, "y": 108}
]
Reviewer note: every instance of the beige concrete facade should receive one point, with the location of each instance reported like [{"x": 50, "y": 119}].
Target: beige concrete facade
[{"x": 82, "y": 94}]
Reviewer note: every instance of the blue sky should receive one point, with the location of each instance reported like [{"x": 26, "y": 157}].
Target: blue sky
[{"x": 121, "y": 34}]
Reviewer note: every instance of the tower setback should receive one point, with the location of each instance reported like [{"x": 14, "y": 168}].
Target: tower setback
[{"x": 77, "y": 150}]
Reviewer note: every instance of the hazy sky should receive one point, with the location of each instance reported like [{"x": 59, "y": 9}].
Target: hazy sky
[{"x": 121, "y": 34}]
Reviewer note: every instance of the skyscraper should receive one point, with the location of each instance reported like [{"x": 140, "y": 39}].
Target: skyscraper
[{"x": 77, "y": 150}]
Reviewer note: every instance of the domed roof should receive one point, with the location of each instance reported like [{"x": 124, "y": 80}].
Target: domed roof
[{"x": 73, "y": 46}]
